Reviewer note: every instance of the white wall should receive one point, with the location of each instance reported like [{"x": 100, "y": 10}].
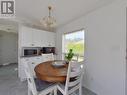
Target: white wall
[
  {"x": 106, "y": 48},
  {"x": 8, "y": 47}
]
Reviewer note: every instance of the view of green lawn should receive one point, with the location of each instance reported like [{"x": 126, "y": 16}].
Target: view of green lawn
[{"x": 78, "y": 47}]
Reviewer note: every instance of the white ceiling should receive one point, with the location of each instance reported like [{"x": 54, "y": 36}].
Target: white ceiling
[
  {"x": 63, "y": 10},
  {"x": 31, "y": 11}
]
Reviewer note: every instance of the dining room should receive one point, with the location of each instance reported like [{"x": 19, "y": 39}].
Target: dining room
[
  {"x": 65, "y": 47},
  {"x": 43, "y": 71}
]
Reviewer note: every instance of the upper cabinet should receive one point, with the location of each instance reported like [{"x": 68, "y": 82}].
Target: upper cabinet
[
  {"x": 36, "y": 38},
  {"x": 26, "y": 36},
  {"x": 50, "y": 39}
]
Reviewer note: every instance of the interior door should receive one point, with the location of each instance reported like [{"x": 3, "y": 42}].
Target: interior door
[{"x": 8, "y": 47}]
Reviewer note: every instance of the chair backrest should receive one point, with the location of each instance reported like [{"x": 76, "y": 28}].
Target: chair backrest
[
  {"x": 30, "y": 79},
  {"x": 74, "y": 75},
  {"x": 48, "y": 57},
  {"x": 75, "y": 58}
]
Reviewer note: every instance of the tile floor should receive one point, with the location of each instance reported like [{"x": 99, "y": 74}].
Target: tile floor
[{"x": 11, "y": 85}]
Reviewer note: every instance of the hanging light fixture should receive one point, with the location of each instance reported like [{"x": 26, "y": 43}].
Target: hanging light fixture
[{"x": 49, "y": 21}]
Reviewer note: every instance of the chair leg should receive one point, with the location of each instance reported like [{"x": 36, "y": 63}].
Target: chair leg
[
  {"x": 52, "y": 93},
  {"x": 55, "y": 91},
  {"x": 29, "y": 92},
  {"x": 80, "y": 90},
  {"x": 73, "y": 94}
]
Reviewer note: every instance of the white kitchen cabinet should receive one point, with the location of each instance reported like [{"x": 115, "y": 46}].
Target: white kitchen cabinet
[
  {"x": 36, "y": 38},
  {"x": 47, "y": 57},
  {"x": 33, "y": 61},
  {"x": 30, "y": 37},
  {"x": 47, "y": 39},
  {"x": 51, "y": 39},
  {"x": 23, "y": 61},
  {"x": 26, "y": 37},
  {"x": 44, "y": 38}
]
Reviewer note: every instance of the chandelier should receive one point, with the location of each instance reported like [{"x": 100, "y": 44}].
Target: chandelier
[{"x": 48, "y": 21}]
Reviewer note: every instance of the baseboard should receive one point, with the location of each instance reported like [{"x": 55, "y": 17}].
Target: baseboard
[
  {"x": 5, "y": 64},
  {"x": 1, "y": 65},
  {"x": 92, "y": 93}
]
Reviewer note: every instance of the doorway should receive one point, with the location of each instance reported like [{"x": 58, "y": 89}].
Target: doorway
[{"x": 8, "y": 47}]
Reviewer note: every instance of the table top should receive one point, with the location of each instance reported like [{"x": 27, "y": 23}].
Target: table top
[{"x": 47, "y": 72}]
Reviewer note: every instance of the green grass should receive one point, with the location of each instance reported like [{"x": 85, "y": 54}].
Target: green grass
[{"x": 78, "y": 47}]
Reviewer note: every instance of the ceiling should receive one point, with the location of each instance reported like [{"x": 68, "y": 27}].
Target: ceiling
[
  {"x": 30, "y": 12},
  {"x": 64, "y": 11}
]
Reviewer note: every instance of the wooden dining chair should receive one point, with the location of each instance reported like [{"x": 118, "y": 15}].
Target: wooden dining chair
[
  {"x": 47, "y": 57},
  {"x": 73, "y": 79},
  {"x": 36, "y": 86}
]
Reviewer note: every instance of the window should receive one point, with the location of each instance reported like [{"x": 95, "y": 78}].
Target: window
[{"x": 75, "y": 41}]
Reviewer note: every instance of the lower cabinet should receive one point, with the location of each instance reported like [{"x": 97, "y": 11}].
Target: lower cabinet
[
  {"x": 47, "y": 57},
  {"x": 33, "y": 61}
]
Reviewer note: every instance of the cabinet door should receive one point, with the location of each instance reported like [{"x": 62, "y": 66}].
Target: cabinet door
[
  {"x": 37, "y": 38},
  {"x": 34, "y": 62},
  {"x": 26, "y": 37},
  {"x": 22, "y": 64},
  {"x": 44, "y": 39},
  {"x": 50, "y": 39},
  {"x": 47, "y": 57},
  {"x": 38, "y": 60}
]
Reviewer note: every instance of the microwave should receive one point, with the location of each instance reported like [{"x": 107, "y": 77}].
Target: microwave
[
  {"x": 30, "y": 51},
  {"x": 46, "y": 50}
]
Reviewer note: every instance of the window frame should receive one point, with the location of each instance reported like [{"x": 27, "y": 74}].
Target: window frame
[{"x": 63, "y": 47}]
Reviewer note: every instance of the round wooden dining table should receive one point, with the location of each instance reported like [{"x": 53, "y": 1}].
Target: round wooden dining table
[{"x": 47, "y": 72}]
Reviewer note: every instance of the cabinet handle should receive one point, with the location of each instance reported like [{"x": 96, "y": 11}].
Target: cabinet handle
[
  {"x": 49, "y": 45},
  {"x": 33, "y": 63}
]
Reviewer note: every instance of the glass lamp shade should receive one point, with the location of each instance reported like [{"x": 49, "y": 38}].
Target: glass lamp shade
[{"x": 48, "y": 22}]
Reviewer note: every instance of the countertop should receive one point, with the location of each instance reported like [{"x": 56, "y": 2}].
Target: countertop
[{"x": 29, "y": 56}]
